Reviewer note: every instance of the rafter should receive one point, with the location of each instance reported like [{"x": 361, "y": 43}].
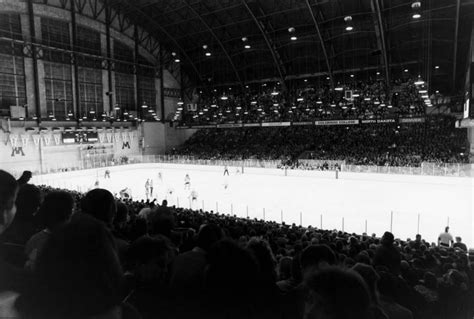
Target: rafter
[
  {"x": 455, "y": 53},
  {"x": 379, "y": 31},
  {"x": 217, "y": 39},
  {"x": 278, "y": 64},
  {"x": 321, "y": 41},
  {"x": 155, "y": 24}
]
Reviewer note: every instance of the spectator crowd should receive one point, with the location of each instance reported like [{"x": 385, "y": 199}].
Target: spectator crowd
[
  {"x": 435, "y": 141},
  {"x": 65, "y": 254},
  {"x": 311, "y": 101}
]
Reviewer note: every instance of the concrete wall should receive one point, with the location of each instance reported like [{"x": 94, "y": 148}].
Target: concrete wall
[
  {"x": 125, "y": 35},
  {"x": 20, "y": 150},
  {"x": 160, "y": 138}
]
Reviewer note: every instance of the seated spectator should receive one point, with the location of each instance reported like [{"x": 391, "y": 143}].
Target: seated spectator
[
  {"x": 388, "y": 295},
  {"x": 149, "y": 260},
  {"x": 317, "y": 257},
  {"x": 335, "y": 293},
  {"x": 371, "y": 278},
  {"x": 459, "y": 244},
  {"x": 78, "y": 275},
  {"x": 55, "y": 211},
  {"x": 284, "y": 268},
  {"x": 187, "y": 275},
  {"x": 11, "y": 277},
  {"x": 162, "y": 221},
  {"x": 231, "y": 282},
  {"x": 387, "y": 255},
  {"x": 262, "y": 253},
  {"x": 23, "y": 225},
  {"x": 290, "y": 284},
  {"x": 120, "y": 221},
  {"x": 100, "y": 204},
  {"x": 24, "y": 178}
]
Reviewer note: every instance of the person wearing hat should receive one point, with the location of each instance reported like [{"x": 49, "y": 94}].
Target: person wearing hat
[
  {"x": 387, "y": 254},
  {"x": 459, "y": 244},
  {"x": 25, "y": 178}
]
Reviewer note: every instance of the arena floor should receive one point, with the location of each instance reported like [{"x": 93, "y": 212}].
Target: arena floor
[{"x": 355, "y": 202}]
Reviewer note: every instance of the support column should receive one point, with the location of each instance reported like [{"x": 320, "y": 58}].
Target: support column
[
  {"x": 162, "y": 91},
  {"x": 109, "y": 56},
  {"x": 31, "y": 18},
  {"x": 470, "y": 137},
  {"x": 77, "y": 97},
  {"x": 138, "y": 101}
]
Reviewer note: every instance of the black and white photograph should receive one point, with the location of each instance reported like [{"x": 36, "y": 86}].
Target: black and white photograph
[{"x": 234, "y": 159}]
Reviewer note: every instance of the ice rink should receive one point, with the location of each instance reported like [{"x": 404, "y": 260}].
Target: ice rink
[{"x": 356, "y": 202}]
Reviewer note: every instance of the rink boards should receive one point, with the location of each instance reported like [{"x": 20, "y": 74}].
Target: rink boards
[{"x": 356, "y": 202}]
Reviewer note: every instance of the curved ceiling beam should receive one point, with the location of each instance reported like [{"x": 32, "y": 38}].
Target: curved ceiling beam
[
  {"x": 279, "y": 65},
  {"x": 321, "y": 40},
  {"x": 217, "y": 39},
  {"x": 379, "y": 31},
  {"x": 455, "y": 53},
  {"x": 169, "y": 36}
]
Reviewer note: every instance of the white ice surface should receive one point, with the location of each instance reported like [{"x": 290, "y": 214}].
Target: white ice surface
[{"x": 310, "y": 197}]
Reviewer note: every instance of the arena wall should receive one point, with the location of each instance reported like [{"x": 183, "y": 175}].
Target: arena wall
[
  {"x": 160, "y": 138},
  {"x": 92, "y": 16},
  {"x": 45, "y": 151}
]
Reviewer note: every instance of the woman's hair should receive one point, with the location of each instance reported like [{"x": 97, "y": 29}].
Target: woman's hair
[
  {"x": 100, "y": 204},
  {"x": 56, "y": 209},
  {"x": 338, "y": 294},
  {"x": 78, "y": 273},
  {"x": 157, "y": 251},
  {"x": 232, "y": 274},
  {"x": 27, "y": 201},
  {"x": 8, "y": 192},
  {"x": 261, "y": 251}
]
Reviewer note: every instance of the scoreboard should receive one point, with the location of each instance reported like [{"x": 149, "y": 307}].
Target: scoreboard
[{"x": 79, "y": 137}]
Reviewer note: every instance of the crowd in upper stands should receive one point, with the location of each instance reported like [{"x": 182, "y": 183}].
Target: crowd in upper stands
[
  {"x": 64, "y": 254},
  {"x": 435, "y": 140},
  {"x": 271, "y": 103}
]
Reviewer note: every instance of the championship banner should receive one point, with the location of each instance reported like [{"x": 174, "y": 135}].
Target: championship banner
[
  {"x": 252, "y": 124},
  {"x": 24, "y": 140},
  {"x": 302, "y": 123},
  {"x": 277, "y": 124},
  {"x": 413, "y": 120},
  {"x": 47, "y": 139},
  {"x": 230, "y": 125},
  {"x": 337, "y": 122},
  {"x": 101, "y": 137},
  {"x": 131, "y": 136},
  {"x": 13, "y": 139},
  {"x": 36, "y": 139},
  {"x": 124, "y": 136},
  {"x": 204, "y": 126},
  {"x": 378, "y": 121},
  {"x": 57, "y": 139},
  {"x": 117, "y": 137},
  {"x": 109, "y": 137}
]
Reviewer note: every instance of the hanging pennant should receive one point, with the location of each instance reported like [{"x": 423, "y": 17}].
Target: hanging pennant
[
  {"x": 109, "y": 137},
  {"x": 101, "y": 137},
  {"x": 57, "y": 139},
  {"x": 124, "y": 136},
  {"x": 36, "y": 139},
  {"x": 117, "y": 137},
  {"x": 24, "y": 140},
  {"x": 131, "y": 136},
  {"x": 13, "y": 139},
  {"x": 47, "y": 139},
  {"x": 7, "y": 138}
]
